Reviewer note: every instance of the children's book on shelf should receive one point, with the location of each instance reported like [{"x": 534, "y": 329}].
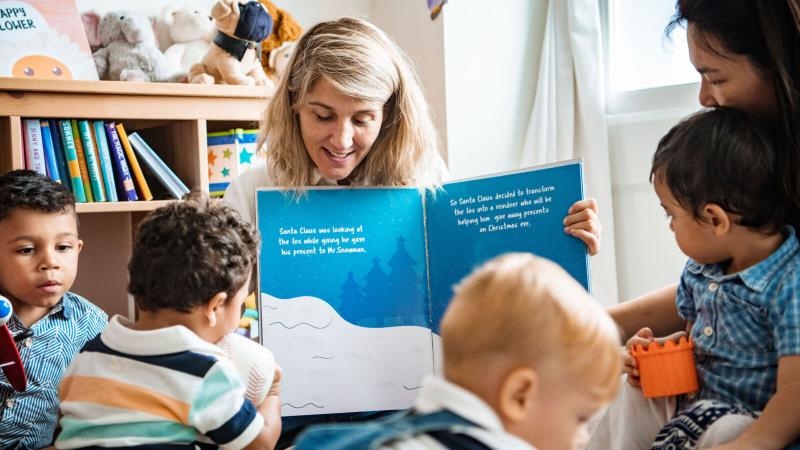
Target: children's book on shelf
[
  {"x": 354, "y": 281},
  {"x": 51, "y": 160},
  {"x": 101, "y": 144},
  {"x": 133, "y": 164},
  {"x": 82, "y": 163},
  {"x": 92, "y": 161},
  {"x": 58, "y": 149},
  {"x": 73, "y": 165},
  {"x": 125, "y": 188},
  {"x": 44, "y": 39},
  {"x": 229, "y": 154},
  {"x": 165, "y": 175},
  {"x": 34, "y": 149}
]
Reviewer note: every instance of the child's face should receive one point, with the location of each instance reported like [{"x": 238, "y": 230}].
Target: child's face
[
  {"x": 695, "y": 238},
  {"x": 559, "y": 417},
  {"x": 38, "y": 256}
]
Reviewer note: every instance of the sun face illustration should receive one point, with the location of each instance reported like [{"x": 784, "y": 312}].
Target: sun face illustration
[{"x": 46, "y": 55}]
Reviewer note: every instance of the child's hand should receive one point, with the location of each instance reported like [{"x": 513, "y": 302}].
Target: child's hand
[
  {"x": 275, "y": 389},
  {"x": 642, "y": 337}
]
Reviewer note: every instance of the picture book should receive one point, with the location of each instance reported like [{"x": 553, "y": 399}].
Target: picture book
[
  {"x": 92, "y": 162},
  {"x": 230, "y": 153},
  {"x": 58, "y": 149},
  {"x": 73, "y": 165},
  {"x": 125, "y": 188},
  {"x": 34, "y": 149},
  {"x": 51, "y": 160},
  {"x": 133, "y": 164},
  {"x": 44, "y": 39},
  {"x": 82, "y": 163},
  {"x": 165, "y": 175},
  {"x": 99, "y": 135},
  {"x": 354, "y": 281}
]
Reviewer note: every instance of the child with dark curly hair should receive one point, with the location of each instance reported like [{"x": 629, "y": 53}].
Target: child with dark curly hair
[
  {"x": 39, "y": 247},
  {"x": 161, "y": 381}
]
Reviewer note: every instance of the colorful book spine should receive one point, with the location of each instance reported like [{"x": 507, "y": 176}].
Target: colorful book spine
[
  {"x": 92, "y": 162},
  {"x": 123, "y": 175},
  {"x": 58, "y": 149},
  {"x": 49, "y": 152},
  {"x": 87, "y": 185},
  {"x": 71, "y": 153},
  {"x": 144, "y": 189},
  {"x": 105, "y": 161},
  {"x": 167, "y": 177},
  {"x": 34, "y": 150}
]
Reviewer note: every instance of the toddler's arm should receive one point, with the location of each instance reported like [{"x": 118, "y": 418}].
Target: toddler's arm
[
  {"x": 270, "y": 409},
  {"x": 777, "y": 427}
]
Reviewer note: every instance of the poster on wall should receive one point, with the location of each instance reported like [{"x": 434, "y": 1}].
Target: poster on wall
[
  {"x": 354, "y": 280},
  {"x": 44, "y": 39}
]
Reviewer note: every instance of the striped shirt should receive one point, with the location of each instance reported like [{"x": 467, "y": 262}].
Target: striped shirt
[
  {"x": 743, "y": 323},
  {"x": 29, "y": 418},
  {"x": 130, "y": 388}
]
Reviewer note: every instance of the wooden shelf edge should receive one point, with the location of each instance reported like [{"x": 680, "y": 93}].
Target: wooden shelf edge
[
  {"x": 117, "y": 207},
  {"x": 134, "y": 88}
]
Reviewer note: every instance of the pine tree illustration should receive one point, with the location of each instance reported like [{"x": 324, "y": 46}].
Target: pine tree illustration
[
  {"x": 406, "y": 300},
  {"x": 352, "y": 306},
  {"x": 375, "y": 291}
]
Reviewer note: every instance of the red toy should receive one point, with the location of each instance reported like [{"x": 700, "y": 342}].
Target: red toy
[{"x": 9, "y": 355}]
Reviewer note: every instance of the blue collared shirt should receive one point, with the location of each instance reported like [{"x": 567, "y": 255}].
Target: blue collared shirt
[
  {"x": 743, "y": 323},
  {"x": 28, "y": 419}
]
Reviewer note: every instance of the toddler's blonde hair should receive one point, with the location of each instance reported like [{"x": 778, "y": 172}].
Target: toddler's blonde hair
[{"x": 522, "y": 310}]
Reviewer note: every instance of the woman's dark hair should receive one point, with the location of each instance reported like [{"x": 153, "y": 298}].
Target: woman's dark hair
[
  {"x": 725, "y": 157},
  {"x": 767, "y": 33}
]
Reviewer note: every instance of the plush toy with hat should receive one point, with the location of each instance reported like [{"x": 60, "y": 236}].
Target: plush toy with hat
[
  {"x": 285, "y": 29},
  {"x": 233, "y": 56}
]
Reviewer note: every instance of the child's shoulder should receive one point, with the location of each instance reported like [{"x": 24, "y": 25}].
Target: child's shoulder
[{"x": 84, "y": 312}]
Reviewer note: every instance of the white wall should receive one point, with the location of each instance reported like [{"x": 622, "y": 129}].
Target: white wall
[
  {"x": 491, "y": 65},
  {"x": 647, "y": 255}
]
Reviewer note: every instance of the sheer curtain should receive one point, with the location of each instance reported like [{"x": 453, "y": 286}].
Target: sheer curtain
[{"x": 568, "y": 117}]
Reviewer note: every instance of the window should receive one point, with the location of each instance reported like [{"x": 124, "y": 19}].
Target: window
[{"x": 640, "y": 56}]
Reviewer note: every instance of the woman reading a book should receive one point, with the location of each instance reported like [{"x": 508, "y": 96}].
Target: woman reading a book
[{"x": 350, "y": 111}]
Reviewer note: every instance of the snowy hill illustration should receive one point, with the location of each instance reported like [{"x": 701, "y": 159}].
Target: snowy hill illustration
[{"x": 324, "y": 358}]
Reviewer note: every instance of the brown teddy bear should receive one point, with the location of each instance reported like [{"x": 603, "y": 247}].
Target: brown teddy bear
[{"x": 285, "y": 28}]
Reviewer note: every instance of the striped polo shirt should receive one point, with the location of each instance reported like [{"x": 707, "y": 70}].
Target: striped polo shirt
[
  {"x": 28, "y": 419},
  {"x": 164, "y": 387}
]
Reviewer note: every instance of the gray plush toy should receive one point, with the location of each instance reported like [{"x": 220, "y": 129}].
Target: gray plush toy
[{"x": 129, "y": 51}]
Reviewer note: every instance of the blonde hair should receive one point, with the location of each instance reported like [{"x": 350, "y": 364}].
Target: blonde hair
[
  {"x": 362, "y": 62},
  {"x": 518, "y": 309}
]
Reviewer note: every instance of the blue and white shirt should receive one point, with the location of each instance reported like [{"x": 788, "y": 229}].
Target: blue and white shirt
[
  {"x": 743, "y": 323},
  {"x": 28, "y": 419}
]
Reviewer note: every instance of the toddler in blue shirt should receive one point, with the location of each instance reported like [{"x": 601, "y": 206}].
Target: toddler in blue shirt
[{"x": 39, "y": 247}]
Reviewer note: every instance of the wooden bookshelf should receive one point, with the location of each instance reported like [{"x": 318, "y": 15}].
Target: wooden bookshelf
[{"x": 173, "y": 118}]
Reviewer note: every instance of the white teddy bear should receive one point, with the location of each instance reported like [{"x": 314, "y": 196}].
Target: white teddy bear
[{"x": 190, "y": 32}]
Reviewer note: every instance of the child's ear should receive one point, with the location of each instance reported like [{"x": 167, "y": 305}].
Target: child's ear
[
  {"x": 517, "y": 394},
  {"x": 213, "y": 306},
  {"x": 717, "y": 218},
  {"x": 79, "y": 246}
]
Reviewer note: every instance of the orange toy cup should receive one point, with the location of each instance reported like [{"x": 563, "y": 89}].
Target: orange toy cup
[{"x": 666, "y": 370}]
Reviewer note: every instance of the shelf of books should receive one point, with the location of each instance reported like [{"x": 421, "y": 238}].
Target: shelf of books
[{"x": 123, "y": 149}]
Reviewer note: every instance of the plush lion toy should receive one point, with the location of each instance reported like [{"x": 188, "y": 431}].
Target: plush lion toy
[{"x": 285, "y": 28}]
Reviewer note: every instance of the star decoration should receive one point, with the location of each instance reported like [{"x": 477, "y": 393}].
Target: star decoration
[
  {"x": 227, "y": 153},
  {"x": 211, "y": 158},
  {"x": 226, "y": 172},
  {"x": 245, "y": 157}
]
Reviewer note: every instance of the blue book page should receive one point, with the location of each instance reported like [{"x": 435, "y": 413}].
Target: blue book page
[
  {"x": 475, "y": 220},
  {"x": 344, "y": 303}
]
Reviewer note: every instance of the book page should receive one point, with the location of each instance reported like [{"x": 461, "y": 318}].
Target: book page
[
  {"x": 472, "y": 221},
  {"x": 344, "y": 305}
]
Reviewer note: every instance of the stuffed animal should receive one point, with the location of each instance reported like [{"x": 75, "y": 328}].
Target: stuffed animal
[
  {"x": 253, "y": 362},
  {"x": 129, "y": 51},
  {"x": 284, "y": 29},
  {"x": 279, "y": 58},
  {"x": 190, "y": 31},
  {"x": 232, "y": 57}
]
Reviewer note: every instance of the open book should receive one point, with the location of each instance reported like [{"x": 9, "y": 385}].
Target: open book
[{"x": 354, "y": 280}]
